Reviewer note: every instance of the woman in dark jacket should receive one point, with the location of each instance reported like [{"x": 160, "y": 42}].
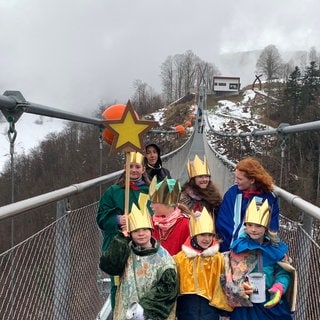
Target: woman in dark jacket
[{"x": 153, "y": 163}]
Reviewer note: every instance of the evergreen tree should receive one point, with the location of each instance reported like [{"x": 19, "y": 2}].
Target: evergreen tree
[
  {"x": 310, "y": 92},
  {"x": 291, "y": 99}
]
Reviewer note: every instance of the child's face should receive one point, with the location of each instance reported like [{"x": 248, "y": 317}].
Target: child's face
[
  {"x": 204, "y": 240},
  {"x": 141, "y": 237},
  {"x": 255, "y": 231},
  {"x": 160, "y": 209},
  {"x": 136, "y": 171},
  {"x": 202, "y": 181}
]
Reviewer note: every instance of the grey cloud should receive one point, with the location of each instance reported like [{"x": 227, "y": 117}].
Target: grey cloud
[{"x": 73, "y": 54}]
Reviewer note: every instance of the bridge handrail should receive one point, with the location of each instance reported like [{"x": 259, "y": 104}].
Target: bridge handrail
[
  {"x": 292, "y": 199},
  {"x": 19, "y": 207}
]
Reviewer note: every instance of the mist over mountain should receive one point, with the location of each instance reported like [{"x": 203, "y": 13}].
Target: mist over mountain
[
  {"x": 243, "y": 64},
  {"x": 32, "y": 129}
]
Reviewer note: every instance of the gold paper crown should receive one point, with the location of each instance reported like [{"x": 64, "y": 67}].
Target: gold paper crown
[
  {"x": 140, "y": 218},
  {"x": 197, "y": 167},
  {"x": 202, "y": 223},
  {"x": 166, "y": 192},
  {"x": 136, "y": 157},
  {"x": 258, "y": 214}
]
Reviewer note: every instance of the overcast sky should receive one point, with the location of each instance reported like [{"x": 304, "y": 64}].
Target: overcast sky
[{"x": 74, "y": 54}]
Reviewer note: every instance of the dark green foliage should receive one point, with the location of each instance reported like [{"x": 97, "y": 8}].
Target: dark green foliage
[{"x": 300, "y": 104}]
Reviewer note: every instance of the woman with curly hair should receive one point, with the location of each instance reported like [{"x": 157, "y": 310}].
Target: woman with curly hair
[
  {"x": 251, "y": 181},
  {"x": 199, "y": 191}
]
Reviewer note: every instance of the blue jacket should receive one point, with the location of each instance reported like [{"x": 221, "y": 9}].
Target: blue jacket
[{"x": 229, "y": 223}]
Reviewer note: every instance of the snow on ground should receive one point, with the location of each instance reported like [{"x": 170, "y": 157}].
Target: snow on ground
[
  {"x": 229, "y": 111},
  {"x": 158, "y": 116},
  {"x": 31, "y": 130}
]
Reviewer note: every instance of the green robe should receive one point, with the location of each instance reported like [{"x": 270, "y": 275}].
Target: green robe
[
  {"x": 112, "y": 204},
  {"x": 147, "y": 276}
]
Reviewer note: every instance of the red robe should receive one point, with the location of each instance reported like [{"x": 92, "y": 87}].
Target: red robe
[{"x": 174, "y": 238}]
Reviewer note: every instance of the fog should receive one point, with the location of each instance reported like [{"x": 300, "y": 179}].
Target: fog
[{"x": 74, "y": 55}]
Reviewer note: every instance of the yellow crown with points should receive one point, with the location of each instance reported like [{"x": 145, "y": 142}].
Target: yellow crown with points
[
  {"x": 258, "y": 214},
  {"x": 201, "y": 222},
  {"x": 140, "y": 218},
  {"x": 197, "y": 167},
  {"x": 136, "y": 157},
  {"x": 166, "y": 192}
]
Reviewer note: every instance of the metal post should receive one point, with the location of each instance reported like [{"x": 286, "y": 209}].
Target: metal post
[{"x": 62, "y": 263}]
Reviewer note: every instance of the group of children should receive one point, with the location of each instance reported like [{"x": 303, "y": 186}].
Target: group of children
[{"x": 165, "y": 257}]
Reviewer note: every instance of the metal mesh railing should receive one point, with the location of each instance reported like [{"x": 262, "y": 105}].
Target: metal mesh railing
[
  {"x": 305, "y": 253},
  {"x": 303, "y": 249},
  {"x": 55, "y": 274}
]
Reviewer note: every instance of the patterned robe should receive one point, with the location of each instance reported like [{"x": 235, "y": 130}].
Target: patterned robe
[
  {"x": 147, "y": 276},
  {"x": 243, "y": 259}
]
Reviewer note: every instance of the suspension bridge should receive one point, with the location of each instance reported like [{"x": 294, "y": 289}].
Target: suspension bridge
[{"x": 54, "y": 274}]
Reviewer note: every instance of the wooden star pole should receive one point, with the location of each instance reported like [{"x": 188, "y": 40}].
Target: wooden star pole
[{"x": 128, "y": 133}]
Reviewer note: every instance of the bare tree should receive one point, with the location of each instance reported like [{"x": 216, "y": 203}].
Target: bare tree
[
  {"x": 178, "y": 75},
  {"x": 145, "y": 99},
  {"x": 167, "y": 79},
  {"x": 189, "y": 67},
  {"x": 313, "y": 56},
  {"x": 270, "y": 63},
  {"x": 140, "y": 95},
  {"x": 287, "y": 69},
  {"x": 210, "y": 72},
  {"x": 183, "y": 72}
]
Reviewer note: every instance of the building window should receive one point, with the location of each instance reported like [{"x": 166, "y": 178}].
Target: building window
[{"x": 233, "y": 86}]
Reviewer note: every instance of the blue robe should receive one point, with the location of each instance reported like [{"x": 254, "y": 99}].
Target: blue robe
[
  {"x": 270, "y": 256},
  {"x": 229, "y": 221}
]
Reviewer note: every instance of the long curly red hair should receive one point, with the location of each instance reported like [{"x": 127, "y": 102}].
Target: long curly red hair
[{"x": 253, "y": 169}]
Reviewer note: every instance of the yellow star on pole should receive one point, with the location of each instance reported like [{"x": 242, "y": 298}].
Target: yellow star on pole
[{"x": 128, "y": 131}]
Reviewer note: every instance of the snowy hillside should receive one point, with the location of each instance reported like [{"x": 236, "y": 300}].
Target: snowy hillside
[{"x": 31, "y": 130}]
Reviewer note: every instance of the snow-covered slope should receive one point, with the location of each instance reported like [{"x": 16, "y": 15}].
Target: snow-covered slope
[{"x": 31, "y": 130}]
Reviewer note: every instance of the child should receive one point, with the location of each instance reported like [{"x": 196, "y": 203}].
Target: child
[
  {"x": 148, "y": 278},
  {"x": 199, "y": 191},
  {"x": 260, "y": 251},
  {"x": 199, "y": 265},
  {"x": 110, "y": 216},
  {"x": 171, "y": 225}
]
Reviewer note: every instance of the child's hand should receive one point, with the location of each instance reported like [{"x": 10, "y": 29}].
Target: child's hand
[
  {"x": 122, "y": 221},
  {"x": 126, "y": 233},
  {"x": 276, "y": 292},
  {"x": 248, "y": 289}
]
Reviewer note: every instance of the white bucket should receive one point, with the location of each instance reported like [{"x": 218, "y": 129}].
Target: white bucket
[{"x": 258, "y": 282}]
